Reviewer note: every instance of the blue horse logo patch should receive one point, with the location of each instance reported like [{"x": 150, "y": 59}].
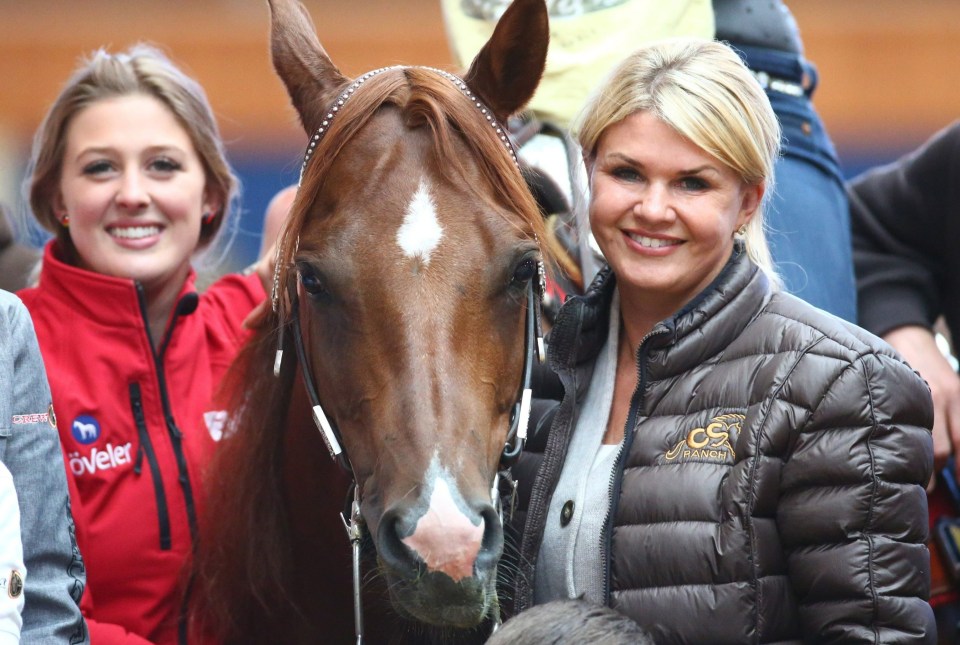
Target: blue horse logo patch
[{"x": 85, "y": 429}]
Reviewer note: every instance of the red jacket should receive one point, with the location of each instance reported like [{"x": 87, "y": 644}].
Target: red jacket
[{"x": 137, "y": 428}]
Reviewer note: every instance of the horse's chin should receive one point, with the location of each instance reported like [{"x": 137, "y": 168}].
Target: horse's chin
[{"x": 436, "y": 599}]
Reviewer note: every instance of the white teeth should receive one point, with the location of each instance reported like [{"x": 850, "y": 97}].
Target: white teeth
[
  {"x": 652, "y": 242},
  {"x": 135, "y": 232}
]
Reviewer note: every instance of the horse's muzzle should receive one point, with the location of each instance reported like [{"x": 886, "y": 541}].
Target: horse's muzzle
[{"x": 441, "y": 566}]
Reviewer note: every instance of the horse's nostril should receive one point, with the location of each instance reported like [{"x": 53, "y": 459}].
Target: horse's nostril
[
  {"x": 392, "y": 551},
  {"x": 492, "y": 545},
  {"x": 441, "y": 539}
]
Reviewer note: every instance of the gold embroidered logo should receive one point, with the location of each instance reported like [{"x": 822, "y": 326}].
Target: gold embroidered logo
[{"x": 711, "y": 443}]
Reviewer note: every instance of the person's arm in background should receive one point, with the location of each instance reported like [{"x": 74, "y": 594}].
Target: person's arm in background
[
  {"x": 11, "y": 562},
  {"x": 55, "y": 574},
  {"x": 273, "y": 220},
  {"x": 918, "y": 347},
  {"x": 906, "y": 240}
]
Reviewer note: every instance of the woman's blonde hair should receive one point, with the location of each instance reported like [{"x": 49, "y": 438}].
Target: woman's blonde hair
[
  {"x": 145, "y": 70},
  {"x": 703, "y": 90}
]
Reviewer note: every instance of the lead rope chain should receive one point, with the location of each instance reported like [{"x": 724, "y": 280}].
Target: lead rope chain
[{"x": 354, "y": 528}]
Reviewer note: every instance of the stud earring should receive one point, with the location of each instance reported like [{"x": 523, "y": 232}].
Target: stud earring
[
  {"x": 207, "y": 218},
  {"x": 65, "y": 220},
  {"x": 742, "y": 230}
]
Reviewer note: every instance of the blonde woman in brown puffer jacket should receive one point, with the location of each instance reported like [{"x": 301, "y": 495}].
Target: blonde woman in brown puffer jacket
[{"x": 729, "y": 464}]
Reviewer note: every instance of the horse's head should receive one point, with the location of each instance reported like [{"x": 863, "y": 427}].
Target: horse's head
[{"x": 406, "y": 263}]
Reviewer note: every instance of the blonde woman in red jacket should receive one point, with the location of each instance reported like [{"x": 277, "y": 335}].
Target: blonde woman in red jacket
[{"x": 129, "y": 174}]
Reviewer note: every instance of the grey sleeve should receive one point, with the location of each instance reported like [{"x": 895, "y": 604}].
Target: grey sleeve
[{"x": 30, "y": 448}]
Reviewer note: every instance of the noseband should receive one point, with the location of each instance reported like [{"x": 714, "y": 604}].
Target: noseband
[{"x": 332, "y": 438}]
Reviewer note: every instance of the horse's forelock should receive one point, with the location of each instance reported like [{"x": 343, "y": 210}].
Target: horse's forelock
[
  {"x": 453, "y": 116},
  {"x": 351, "y": 117}
]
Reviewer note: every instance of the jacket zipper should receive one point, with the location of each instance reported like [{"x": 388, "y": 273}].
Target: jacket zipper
[
  {"x": 176, "y": 436},
  {"x": 146, "y": 448},
  {"x": 616, "y": 478}
]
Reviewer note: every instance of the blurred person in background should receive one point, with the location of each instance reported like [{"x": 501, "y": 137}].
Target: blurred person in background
[
  {"x": 570, "y": 622},
  {"x": 273, "y": 218},
  {"x": 17, "y": 261}
]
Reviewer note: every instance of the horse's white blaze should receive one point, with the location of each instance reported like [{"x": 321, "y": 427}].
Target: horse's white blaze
[
  {"x": 420, "y": 233},
  {"x": 444, "y": 538}
]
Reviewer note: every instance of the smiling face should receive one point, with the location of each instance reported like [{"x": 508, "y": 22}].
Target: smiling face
[
  {"x": 663, "y": 212},
  {"x": 134, "y": 189}
]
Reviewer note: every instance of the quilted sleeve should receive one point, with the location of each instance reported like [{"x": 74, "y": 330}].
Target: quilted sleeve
[{"x": 853, "y": 513}]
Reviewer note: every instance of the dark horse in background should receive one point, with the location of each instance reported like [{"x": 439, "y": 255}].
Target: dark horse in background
[{"x": 406, "y": 268}]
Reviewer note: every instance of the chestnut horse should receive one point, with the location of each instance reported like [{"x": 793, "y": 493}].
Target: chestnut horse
[{"x": 403, "y": 308}]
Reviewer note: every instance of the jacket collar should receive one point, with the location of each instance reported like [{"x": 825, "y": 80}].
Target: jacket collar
[
  {"x": 583, "y": 322},
  {"x": 103, "y": 299}
]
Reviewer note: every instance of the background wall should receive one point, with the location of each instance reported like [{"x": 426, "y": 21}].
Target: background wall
[{"x": 888, "y": 71}]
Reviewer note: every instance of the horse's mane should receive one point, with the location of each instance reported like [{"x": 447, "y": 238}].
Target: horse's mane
[
  {"x": 242, "y": 565},
  {"x": 240, "y": 561}
]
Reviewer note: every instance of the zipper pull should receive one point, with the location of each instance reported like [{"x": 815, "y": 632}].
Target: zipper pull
[
  {"x": 174, "y": 430},
  {"x": 185, "y": 306},
  {"x": 139, "y": 461}
]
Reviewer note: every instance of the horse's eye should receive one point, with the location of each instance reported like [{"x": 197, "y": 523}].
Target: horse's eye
[
  {"x": 311, "y": 282},
  {"x": 525, "y": 271}
]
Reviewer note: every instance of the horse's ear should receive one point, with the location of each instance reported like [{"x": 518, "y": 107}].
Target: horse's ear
[
  {"x": 508, "y": 69},
  {"x": 311, "y": 78}
]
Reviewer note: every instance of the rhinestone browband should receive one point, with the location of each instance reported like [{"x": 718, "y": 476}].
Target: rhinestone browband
[{"x": 347, "y": 93}]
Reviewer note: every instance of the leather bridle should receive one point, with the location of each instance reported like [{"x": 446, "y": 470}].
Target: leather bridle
[{"x": 329, "y": 432}]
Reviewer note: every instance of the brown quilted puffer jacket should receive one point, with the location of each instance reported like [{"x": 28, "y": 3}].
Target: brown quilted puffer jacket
[{"x": 770, "y": 487}]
